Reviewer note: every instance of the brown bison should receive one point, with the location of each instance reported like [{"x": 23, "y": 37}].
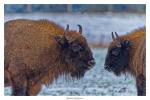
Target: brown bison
[
  {"x": 127, "y": 54},
  {"x": 38, "y": 51}
]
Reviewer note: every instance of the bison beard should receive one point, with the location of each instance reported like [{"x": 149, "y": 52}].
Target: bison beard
[
  {"x": 127, "y": 54},
  {"x": 37, "y": 52}
]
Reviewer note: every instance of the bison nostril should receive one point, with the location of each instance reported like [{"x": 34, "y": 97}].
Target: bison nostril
[{"x": 91, "y": 62}]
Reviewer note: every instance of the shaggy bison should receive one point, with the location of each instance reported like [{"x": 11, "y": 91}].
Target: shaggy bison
[
  {"x": 127, "y": 54},
  {"x": 38, "y": 51}
]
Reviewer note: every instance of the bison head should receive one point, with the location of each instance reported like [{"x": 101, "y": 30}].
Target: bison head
[
  {"x": 75, "y": 52},
  {"x": 118, "y": 55}
]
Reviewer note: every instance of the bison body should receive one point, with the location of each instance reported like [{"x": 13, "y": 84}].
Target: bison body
[
  {"x": 38, "y": 51},
  {"x": 127, "y": 54}
]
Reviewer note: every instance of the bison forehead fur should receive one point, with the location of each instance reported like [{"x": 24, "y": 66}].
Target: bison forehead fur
[{"x": 37, "y": 52}]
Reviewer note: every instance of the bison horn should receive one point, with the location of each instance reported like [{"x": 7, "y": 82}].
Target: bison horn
[
  {"x": 113, "y": 37},
  {"x": 112, "y": 34},
  {"x": 67, "y": 29},
  {"x": 68, "y": 38},
  {"x": 117, "y": 36},
  {"x": 80, "y": 29}
]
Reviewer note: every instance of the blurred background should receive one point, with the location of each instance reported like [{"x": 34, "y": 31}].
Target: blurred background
[{"x": 98, "y": 21}]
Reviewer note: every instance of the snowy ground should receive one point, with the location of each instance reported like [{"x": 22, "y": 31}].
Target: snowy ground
[{"x": 96, "y": 27}]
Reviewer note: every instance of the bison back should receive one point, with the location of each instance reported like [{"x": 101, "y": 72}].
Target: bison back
[{"x": 29, "y": 45}]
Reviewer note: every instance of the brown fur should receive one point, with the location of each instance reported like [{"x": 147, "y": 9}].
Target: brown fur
[
  {"x": 33, "y": 57},
  {"x": 137, "y": 56}
]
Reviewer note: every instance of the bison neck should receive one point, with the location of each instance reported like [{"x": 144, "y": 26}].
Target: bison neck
[
  {"x": 135, "y": 37},
  {"x": 56, "y": 68}
]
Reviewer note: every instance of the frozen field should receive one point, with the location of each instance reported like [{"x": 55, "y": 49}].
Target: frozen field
[{"x": 97, "y": 27}]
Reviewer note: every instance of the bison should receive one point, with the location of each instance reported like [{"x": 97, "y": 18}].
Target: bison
[
  {"x": 127, "y": 54},
  {"x": 38, "y": 51}
]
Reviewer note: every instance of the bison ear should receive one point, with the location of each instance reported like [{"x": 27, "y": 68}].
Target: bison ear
[
  {"x": 60, "y": 39},
  {"x": 127, "y": 44}
]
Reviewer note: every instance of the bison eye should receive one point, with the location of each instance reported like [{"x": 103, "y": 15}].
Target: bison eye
[
  {"x": 115, "y": 52},
  {"x": 76, "y": 47}
]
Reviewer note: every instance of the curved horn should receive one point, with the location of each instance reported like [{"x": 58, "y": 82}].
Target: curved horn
[
  {"x": 117, "y": 36},
  {"x": 80, "y": 29},
  {"x": 112, "y": 34},
  {"x": 67, "y": 29}
]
